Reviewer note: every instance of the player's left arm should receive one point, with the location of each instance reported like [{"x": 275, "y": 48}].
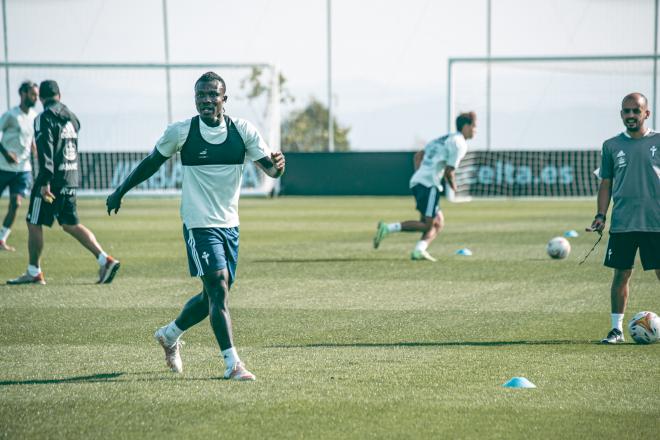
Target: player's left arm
[
  {"x": 270, "y": 162},
  {"x": 273, "y": 165}
]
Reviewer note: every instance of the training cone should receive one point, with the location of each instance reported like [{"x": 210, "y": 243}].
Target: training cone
[
  {"x": 465, "y": 252},
  {"x": 519, "y": 382},
  {"x": 570, "y": 234}
]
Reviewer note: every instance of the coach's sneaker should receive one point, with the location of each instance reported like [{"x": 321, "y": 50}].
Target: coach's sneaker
[
  {"x": 108, "y": 271},
  {"x": 381, "y": 233},
  {"x": 172, "y": 355},
  {"x": 239, "y": 372},
  {"x": 5, "y": 247},
  {"x": 26, "y": 278},
  {"x": 421, "y": 255},
  {"x": 614, "y": 337}
]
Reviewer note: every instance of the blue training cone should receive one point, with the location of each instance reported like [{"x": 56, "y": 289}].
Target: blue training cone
[
  {"x": 464, "y": 252},
  {"x": 570, "y": 234},
  {"x": 519, "y": 382}
]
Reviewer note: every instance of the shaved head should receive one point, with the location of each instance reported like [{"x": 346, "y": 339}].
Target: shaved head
[{"x": 636, "y": 97}]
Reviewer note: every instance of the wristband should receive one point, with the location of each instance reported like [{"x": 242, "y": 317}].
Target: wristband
[{"x": 600, "y": 217}]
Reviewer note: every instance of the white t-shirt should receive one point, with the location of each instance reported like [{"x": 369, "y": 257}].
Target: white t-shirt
[
  {"x": 440, "y": 153},
  {"x": 17, "y": 135},
  {"x": 209, "y": 194}
]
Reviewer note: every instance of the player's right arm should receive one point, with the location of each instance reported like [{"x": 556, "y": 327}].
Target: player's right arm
[
  {"x": 604, "y": 190},
  {"x": 142, "y": 172},
  {"x": 166, "y": 147},
  {"x": 603, "y": 203}
]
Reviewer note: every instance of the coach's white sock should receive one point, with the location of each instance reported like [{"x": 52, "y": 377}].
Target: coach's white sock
[
  {"x": 394, "y": 227},
  {"x": 421, "y": 246},
  {"x": 33, "y": 271},
  {"x": 617, "y": 321},
  {"x": 230, "y": 356},
  {"x": 173, "y": 332},
  {"x": 102, "y": 258},
  {"x": 4, "y": 233}
]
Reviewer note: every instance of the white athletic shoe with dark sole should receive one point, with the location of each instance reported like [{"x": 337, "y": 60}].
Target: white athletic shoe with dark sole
[
  {"x": 108, "y": 271},
  {"x": 614, "y": 337}
]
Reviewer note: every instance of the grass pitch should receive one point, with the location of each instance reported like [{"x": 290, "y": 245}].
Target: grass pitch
[{"x": 346, "y": 342}]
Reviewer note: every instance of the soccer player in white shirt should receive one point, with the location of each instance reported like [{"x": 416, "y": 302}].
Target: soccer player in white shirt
[
  {"x": 439, "y": 159},
  {"x": 17, "y": 126},
  {"x": 214, "y": 149}
]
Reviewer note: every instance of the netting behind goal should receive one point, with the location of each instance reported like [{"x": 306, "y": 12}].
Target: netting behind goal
[
  {"x": 123, "y": 109},
  {"x": 528, "y": 173},
  {"x": 542, "y": 121}
]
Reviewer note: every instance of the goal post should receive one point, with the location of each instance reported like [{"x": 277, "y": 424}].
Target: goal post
[{"x": 542, "y": 120}]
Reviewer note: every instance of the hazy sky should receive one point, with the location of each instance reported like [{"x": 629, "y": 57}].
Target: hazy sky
[{"x": 389, "y": 63}]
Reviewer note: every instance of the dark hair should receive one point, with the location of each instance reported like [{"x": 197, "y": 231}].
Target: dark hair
[
  {"x": 211, "y": 76},
  {"x": 465, "y": 119},
  {"x": 25, "y": 86},
  {"x": 48, "y": 89}
]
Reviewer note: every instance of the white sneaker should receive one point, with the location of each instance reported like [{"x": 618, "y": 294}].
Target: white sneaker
[
  {"x": 172, "y": 356},
  {"x": 108, "y": 271},
  {"x": 422, "y": 255},
  {"x": 615, "y": 336},
  {"x": 239, "y": 372},
  {"x": 26, "y": 278}
]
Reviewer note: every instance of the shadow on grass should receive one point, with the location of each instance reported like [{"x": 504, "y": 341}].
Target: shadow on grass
[
  {"x": 152, "y": 376},
  {"x": 320, "y": 260},
  {"x": 442, "y": 344},
  {"x": 103, "y": 377}
]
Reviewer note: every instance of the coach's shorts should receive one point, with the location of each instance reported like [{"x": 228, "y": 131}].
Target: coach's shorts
[
  {"x": 622, "y": 248},
  {"x": 212, "y": 249},
  {"x": 427, "y": 199},
  {"x": 64, "y": 207},
  {"x": 19, "y": 182}
]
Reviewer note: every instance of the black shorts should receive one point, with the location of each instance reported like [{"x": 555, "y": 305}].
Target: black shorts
[
  {"x": 426, "y": 200},
  {"x": 63, "y": 208},
  {"x": 622, "y": 248}
]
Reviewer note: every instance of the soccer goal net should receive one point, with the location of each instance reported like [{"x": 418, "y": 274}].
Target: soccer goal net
[
  {"x": 125, "y": 108},
  {"x": 542, "y": 121}
]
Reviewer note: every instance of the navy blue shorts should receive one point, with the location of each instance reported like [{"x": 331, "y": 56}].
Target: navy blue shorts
[
  {"x": 212, "y": 249},
  {"x": 19, "y": 182},
  {"x": 427, "y": 200},
  {"x": 64, "y": 208},
  {"x": 622, "y": 249}
]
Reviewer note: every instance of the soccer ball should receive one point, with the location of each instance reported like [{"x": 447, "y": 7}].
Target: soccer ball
[
  {"x": 558, "y": 248},
  {"x": 644, "y": 328}
]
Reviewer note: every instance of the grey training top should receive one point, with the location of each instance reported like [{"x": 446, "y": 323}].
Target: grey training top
[{"x": 634, "y": 167}]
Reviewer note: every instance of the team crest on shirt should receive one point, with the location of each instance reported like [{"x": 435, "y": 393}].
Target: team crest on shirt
[
  {"x": 621, "y": 159},
  {"x": 653, "y": 149},
  {"x": 70, "y": 153},
  {"x": 68, "y": 132}
]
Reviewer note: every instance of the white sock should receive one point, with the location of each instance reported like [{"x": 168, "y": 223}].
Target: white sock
[
  {"x": 421, "y": 245},
  {"x": 172, "y": 332},
  {"x": 102, "y": 258},
  {"x": 33, "y": 271},
  {"x": 617, "y": 321},
  {"x": 4, "y": 233},
  {"x": 394, "y": 227},
  {"x": 230, "y": 356}
]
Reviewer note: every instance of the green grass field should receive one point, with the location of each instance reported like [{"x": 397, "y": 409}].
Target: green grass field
[{"x": 346, "y": 342}]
